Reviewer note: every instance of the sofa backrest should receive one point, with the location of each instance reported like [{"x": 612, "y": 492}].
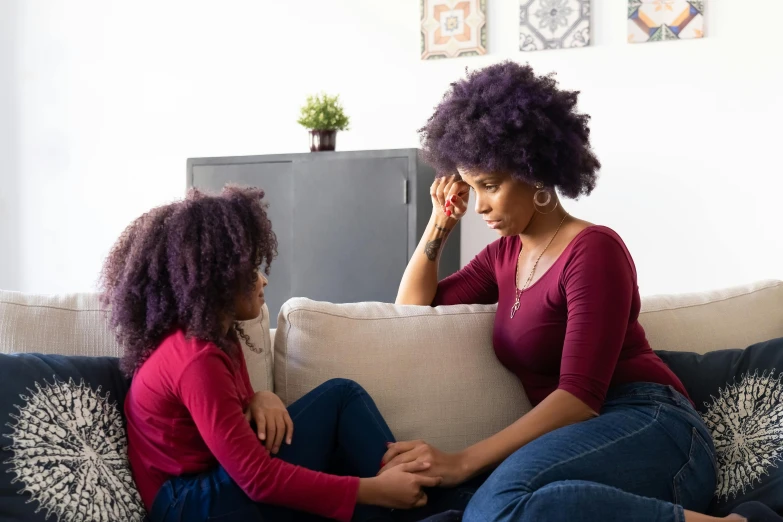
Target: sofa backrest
[
  {"x": 699, "y": 322},
  {"x": 702, "y": 322},
  {"x": 76, "y": 324},
  {"x": 433, "y": 371},
  {"x": 69, "y": 324}
]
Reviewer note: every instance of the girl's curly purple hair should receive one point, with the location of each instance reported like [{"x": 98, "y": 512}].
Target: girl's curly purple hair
[
  {"x": 181, "y": 266},
  {"x": 505, "y": 119}
]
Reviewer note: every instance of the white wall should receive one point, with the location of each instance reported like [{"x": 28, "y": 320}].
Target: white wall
[
  {"x": 9, "y": 168},
  {"x": 108, "y": 98}
]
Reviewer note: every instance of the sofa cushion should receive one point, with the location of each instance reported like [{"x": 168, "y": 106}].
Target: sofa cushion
[
  {"x": 702, "y": 322},
  {"x": 432, "y": 371},
  {"x": 739, "y": 394},
  {"x": 63, "y": 448},
  {"x": 76, "y": 324}
]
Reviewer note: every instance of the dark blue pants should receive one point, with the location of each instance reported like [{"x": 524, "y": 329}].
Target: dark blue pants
[{"x": 337, "y": 429}]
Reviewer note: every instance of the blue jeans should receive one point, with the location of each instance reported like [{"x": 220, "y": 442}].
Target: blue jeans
[
  {"x": 337, "y": 429},
  {"x": 645, "y": 458}
]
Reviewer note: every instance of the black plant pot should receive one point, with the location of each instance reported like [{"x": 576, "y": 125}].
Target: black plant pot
[{"x": 322, "y": 140}]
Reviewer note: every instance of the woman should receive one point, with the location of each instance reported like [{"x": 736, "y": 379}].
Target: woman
[
  {"x": 613, "y": 435},
  {"x": 179, "y": 280}
]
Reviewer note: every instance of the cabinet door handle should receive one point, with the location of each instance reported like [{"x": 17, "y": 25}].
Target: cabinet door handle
[{"x": 404, "y": 191}]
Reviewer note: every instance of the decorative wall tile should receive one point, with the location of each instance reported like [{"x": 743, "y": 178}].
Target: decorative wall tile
[
  {"x": 452, "y": 28},
  {"x": 553, "y": 24},
  {"x": 659, "y": 20}
]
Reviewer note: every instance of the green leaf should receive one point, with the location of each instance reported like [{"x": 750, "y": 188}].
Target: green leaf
[{"x": 322, "y": 111}]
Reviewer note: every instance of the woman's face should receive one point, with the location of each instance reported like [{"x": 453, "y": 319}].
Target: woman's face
[
  {"x": 505, "y": 203},
  {"x": 248, "y": 306}
]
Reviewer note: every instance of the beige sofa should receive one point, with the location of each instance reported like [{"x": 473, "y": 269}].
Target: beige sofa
[{"x": 431, "y": 370}]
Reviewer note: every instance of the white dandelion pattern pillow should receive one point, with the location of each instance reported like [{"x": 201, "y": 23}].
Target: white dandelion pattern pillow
[
  {"x": 739, "y": 394},
  {"x": 63, "y": 446},
  {"x": 746, "y": 422}
]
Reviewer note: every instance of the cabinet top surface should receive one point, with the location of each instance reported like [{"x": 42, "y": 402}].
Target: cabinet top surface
[{"x": 305, "y": 157}]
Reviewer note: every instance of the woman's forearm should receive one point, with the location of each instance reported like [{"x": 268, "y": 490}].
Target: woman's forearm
[
  {"x": 420, "y": 280},
  {"x": 556, "y": 411}
]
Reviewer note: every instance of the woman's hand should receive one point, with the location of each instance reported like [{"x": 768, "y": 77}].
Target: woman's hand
[
  {"x": 273, "y": 423},
  {"x": 449, "y": 197},
  {"x": 399, "y": 487},
  {"x": 450, "y": 467}
]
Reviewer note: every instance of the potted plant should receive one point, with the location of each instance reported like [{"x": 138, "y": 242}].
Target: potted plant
[{"x": 323, "y": 115}]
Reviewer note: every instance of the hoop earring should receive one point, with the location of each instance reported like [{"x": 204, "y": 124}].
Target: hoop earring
[{"x": 547, "y": 193}]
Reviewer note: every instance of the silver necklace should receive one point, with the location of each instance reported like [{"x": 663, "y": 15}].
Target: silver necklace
[{"x": 533, "y": 271}]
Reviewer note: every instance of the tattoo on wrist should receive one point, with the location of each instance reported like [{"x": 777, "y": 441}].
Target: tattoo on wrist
[
  {"x": 432, "y": 248},
  {"x": 443, "y": 229}
]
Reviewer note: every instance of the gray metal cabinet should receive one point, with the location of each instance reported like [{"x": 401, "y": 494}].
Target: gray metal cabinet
[{"x": 346, "y": 222}]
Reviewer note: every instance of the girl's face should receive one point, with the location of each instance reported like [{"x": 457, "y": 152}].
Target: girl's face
[{"x": 248, "y": 306}]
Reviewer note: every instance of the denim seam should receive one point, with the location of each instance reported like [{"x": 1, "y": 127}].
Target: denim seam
[
  {"x": 691, "y": 452},
  {"x": 655, "y": 395},
  {"x": 361, "y": 396},
  {"x": 313, "y": 399},
  {"x": 599, "y": 448},
  {"x": 596, "y": 485},
  {"x": 374, "y": 417},
  {"x": 706, "y": 446},
  {"x": 679, "y": 513}
]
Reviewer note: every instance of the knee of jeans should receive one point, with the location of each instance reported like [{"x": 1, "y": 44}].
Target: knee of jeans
[
  {"x": 347, "y": 384},
  {"x": 496, "y": 503}
]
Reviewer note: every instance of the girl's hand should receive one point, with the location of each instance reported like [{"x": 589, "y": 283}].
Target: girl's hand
[
  {"x": 449, "y": 197},
  {"x": 399, "y": 487},
  {"x": 273, "y": 423}
]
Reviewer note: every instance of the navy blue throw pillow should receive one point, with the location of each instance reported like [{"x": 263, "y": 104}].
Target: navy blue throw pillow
[
  {"x": 739, "y": 394},
  {"x": 63, "y": 447}
]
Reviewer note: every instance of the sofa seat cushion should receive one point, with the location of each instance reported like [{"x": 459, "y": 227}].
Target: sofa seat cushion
[
  {"x": 739, "y": 394},
  {"x": 63, "y": 447}
]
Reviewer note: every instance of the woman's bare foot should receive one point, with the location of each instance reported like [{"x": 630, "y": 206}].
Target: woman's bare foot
[{"x": 691, "y": 516}]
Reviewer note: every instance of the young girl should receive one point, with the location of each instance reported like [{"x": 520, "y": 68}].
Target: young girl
[{"x": 178, "y": 280}]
